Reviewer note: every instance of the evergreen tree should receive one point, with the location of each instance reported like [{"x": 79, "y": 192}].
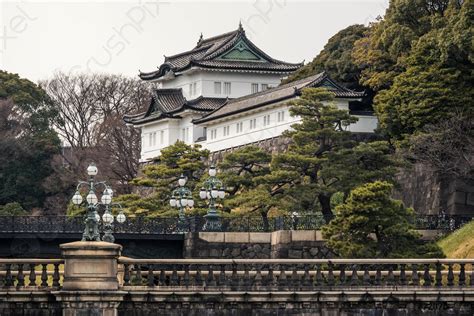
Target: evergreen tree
[
  {"x": 372, "y": 225},
  {"x": 161, "y": 177}
]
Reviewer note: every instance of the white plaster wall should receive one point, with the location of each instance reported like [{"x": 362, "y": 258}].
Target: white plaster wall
[
  {"x": 366, "y": 124},
  {"x": 240, "y": 83}
]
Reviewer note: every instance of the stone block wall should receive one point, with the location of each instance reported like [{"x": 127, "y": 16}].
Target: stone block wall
[{"x": 279, "y": 244}]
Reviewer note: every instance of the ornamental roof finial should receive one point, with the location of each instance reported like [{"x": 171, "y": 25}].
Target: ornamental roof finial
[
  {"x": 200, "y": 39},
  {"x": 241, "y": 29}
]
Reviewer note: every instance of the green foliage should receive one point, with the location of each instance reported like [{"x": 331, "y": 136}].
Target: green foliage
[
  {"x": 323, "y": 158},
  {"x": 372, "y": 225},
  {"x": 27, "y": 142},
  {"x": 161, "y": 178},
  {"x": 12, "y": 209},
  {"x": 437, "y": 80},
  {"x": 336, "y": 59}
]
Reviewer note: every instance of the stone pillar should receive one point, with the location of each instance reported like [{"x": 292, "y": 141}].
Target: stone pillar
[{"x": 90, "y": 285}]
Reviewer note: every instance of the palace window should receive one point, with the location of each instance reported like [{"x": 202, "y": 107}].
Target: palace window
[
  {"x": 253, "y": 123},
  {"x": 194, "y": 88},
  {"x": 154, "y": 139},
  {"x": 254, "y": 88},
  {"x": 150, "y": 140},
  {"x": 227, "y": 88},
  {"x": 264, "y": 86},
  {"x": 213, "y": 133},
  {"x": 226, "y": 130},
  {"x": 281, "y": 116},
  {"x": 217, "y": 88},
  {"x": 266, "y": 120},
  {"x": 162, "y": 137},
  {"x": 239, "y": 127}
]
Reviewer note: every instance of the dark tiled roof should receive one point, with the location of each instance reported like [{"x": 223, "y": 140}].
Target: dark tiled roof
[
  {"x": 169, "y": 102},
  {"x": 207, "y": 50},
  {"x": 280, "y": 93}
]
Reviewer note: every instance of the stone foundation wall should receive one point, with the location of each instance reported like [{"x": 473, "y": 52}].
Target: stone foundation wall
[{"x": 280, "y": 244}]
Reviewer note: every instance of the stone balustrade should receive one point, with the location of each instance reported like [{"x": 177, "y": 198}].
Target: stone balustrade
[
  {"x": 289, "y": 274},
  {"x": 39, "y": 274}
]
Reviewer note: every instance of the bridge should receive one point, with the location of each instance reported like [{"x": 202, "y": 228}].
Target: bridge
[
  {"x": 247, "y": 287},
  {"x": 159, "y": 237}
]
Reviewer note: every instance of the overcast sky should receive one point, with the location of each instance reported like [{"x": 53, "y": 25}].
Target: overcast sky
[{"x": 38, "y": 38}]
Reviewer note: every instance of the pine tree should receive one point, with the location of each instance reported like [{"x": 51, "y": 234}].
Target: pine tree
[{"x": 372, "y": 225}]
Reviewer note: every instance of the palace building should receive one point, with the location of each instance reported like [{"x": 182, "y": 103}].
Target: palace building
[{"x": 224, "y": 93}]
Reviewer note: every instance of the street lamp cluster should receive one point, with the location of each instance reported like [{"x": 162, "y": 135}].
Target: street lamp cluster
[
  {"x": 211, "y": 191},
  {"x": 92, "y": 220}
]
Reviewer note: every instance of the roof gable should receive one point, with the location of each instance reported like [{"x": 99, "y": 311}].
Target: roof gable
[
  {"x": 241, "y": 51},
  {"x": 228, "y": 51}
]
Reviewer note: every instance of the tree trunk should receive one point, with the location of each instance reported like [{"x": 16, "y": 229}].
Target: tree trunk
[
  {"x": 266, "y": 225},
  {"x": 325, "y": 201}
]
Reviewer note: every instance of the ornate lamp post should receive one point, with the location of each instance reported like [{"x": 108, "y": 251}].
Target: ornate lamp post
[
  {"x": 91, "y": 230},
  {"x": 181, "y": 197},
  {"x": 212, "y": 190}
]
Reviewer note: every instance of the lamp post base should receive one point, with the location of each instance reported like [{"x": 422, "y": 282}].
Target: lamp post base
[{"x": 213, "y": 223}]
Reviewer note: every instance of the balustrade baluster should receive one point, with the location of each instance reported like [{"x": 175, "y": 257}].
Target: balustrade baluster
[
  {"x": 471, "y": 281},
  {"x": 32, "y": 277},
  {"x": 295, "y": 280},
  {"x": 44, "y": 275},
  {"x": 174, "y": 276},
  {"x": 198, "y": 278},
  {"x": 331, "y": 280},
  {"x": 378, "y": 275},
  {"x": 342, "y": 274},
  {"x": 126, "y": 274},
  {"x": 186, "y": 277},
  {"x": 150, "y": 277},
  {"x": 307, "y": 281},
  {"x": 390, "y": 276},
  {"x": 20, "y": 276},
  {"x": 450, "y": 274},
  {"x": 8, "y": 275},
  {"x": 257, "y": 280},
  {"x": 246, "y": 279},
  {"x": 234, "y": 277},
  {"x": 462, "y": 275},
  {"x": 403, "y": 277},
  {"x": 427, "y": 276},
  {"x": 438, "y": 278},
  {"x": 319, "y": 276},
  {"x": 366, "y": 278},
  {"x": 222, "y": 277},
  {"x": 415, "y": 280},
  {"x": 138, "y": 274},
  {"x": 56, "y": 275},
  {"x": 162, "y": 278},
  {"x": 282, "y": 280},
  {"x": 210, "y": 281},
  {"x": 354, "y": 276}
]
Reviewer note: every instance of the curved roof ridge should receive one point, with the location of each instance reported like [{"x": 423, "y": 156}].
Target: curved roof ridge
[{"x": 216, "y": 37}]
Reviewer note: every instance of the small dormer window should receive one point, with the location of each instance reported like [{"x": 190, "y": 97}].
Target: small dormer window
[
  {"x": 194, "y": 88},
  {"x": 217, "y": 88},
  {"x": 239, "y": 127},
  {"x": 254, "y": 88},
  {"x": 227, "y": 88},
  {"x": 190, "y": 90}
]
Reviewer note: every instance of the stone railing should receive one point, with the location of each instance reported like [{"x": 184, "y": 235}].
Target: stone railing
[
  {"x": 31, "y": 274},
  {"x": 294, "y": 275}
]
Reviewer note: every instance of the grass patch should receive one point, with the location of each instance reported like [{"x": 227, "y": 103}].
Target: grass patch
[{"x": 460, "y": 243}]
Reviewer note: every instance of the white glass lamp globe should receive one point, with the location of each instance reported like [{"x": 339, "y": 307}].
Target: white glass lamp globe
[
  {"x": 92, "y": 170},
  {"x": 173, "y": 202},
  {"x": 108, "y": 218},
  {"x": 106, "y": 198},
  {"x": 91, "y": 198},
  {"x": 214, "y": 193},
  {"x": 221, "y": 194},
  {"x": 191, "y": 203},
  {"x": 77, "y": 198},
  {"x": 212, "y": 171},
  {"x": 121, "y": 218},
  {"x": 184, "y": 202},
  {"x": 202, "y": 193},
  {"x": 109, "y": 191},
  {"x": 182, "y": 181},
  {"x": 97, "y": 217}
]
